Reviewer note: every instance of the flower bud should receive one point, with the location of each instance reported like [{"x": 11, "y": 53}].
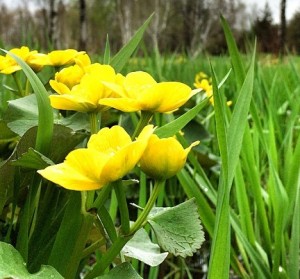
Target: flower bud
[{"x": 163, "y": 158}]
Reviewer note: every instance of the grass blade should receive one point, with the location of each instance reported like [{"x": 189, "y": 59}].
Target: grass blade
[
  {"x": 121, "y": 58},
  {"x": 45, "y": 119},
  {"x": 220, "y": 251},
  {"x": 230, "y": 143},
  {"x": 236, "y": 60},
  {"x": 176, "y": 125}
]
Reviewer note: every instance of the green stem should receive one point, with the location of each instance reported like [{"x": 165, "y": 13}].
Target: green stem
[
  {"x": 27, "y": 217},
  {"x": 83, "y": 200},
  {"x": 142, "y": 192},
  {"x": 27, "y": 87},
  {"x": 18, "y": 83},
  {"x": 144, "y": 120},
  {"x": 95, "y": 122},
  {"x": 108, "y": 257},
  {"x": 123, "y": 208},
  {"x": 103, "y": 194},
  {"x": 92, "y": 248},
  {"x": 143, "y": 217},
  {"x": 120, "y": 242}
]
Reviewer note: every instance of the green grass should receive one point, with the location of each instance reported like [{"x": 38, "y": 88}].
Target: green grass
[{"x": 263, "y": 204}]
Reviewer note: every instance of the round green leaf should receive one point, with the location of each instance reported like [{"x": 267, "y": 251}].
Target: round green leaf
[{"x": 178, "y": 229}]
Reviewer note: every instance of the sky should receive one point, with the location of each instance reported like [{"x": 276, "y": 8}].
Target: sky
[{"x": 291, "y": 6}]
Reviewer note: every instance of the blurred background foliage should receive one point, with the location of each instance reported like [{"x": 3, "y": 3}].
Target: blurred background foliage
[{"x": 190, "y": 26}]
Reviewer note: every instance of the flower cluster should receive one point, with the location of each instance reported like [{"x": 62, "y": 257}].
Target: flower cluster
[
  {"x": 80, "y": 87},
  {"x": 35, "y": 59},
  {"x": 110, "y": 153}
]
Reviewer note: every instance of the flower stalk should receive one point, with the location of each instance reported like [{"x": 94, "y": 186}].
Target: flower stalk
[
  {"x": 18, "y": 83},
  {"x": 159, "y": 184},
  {"x": 95, "y": 122},
  {"x": 123, "y": 208},
  {"x": 144, "y": 120}
]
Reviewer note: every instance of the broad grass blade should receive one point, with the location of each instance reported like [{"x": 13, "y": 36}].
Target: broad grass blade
[{"x": 45, "y": 119}]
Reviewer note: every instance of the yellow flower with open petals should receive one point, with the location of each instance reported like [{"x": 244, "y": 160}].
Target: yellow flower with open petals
[
  {"x": 8, "y": 65},
  {"x": 85, "y": 95},
  {"x": 140, "y": 92},
  {"x": 58, "y": 58},
  {"x": 163, "y": 158},
  {"x": 63, "y": 57},
  {"x": 110, "y": 155}
]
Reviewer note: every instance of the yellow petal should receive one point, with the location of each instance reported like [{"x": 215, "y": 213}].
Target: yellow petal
[
  {"x": 102, "y": 72},
  {"x": 70, "y": 76},
  {"x": 93, "y": 89},
  {"x": 80, "y": 171},
  {"x": 136, "y": 82},
  {"x": 11, "y": 69},
  {"x": 116, "y": 88},
  {"x": 83, "y": 60},
  {"x": 174, "y": 95},
  {"x": 123, "y": 161},
  {"x": 109, "y": 140},
  {"x": 71, "y": 102},
  {"x": 122, "y": 104},
  {"x": 39, "y": 59},
  {"x": 22, "y": 52},
  {"x": 62, "y": 57},
  {"x": 163, "y": 158},
  {"x": 59, "y": 87},
  {"x": 123, "y": 153}
]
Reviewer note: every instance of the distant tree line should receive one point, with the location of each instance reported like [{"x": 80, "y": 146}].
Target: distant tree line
[{"x": 192, "y": 26}]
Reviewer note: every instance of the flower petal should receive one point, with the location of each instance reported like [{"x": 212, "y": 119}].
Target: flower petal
[
  {"x": 59, "y": 87},
  {"x": 81, "y": 171},
  {"x": 62, "y": 57},
  {"x": 175, "y": 94},
  {"x": 123, "y": 161},
  {"x": 122, "y": 104},
  {"x": 163, "y": 158},
  {"x": 136, "y": 82},
  {"x": 109, "y": 140},
  {"x": 124, "y": 154},
  {"x": 71, "y": 102}
]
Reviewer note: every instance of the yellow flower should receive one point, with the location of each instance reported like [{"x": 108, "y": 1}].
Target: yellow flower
[
  {"x": 8, "y": 65},
  {"x": 110, "y": 155},
  {"x": 83, "y": 93},
  {"x": 58, "y": 57},
  {"x": 69, "y": 77},
  {"x": 163, "y": 158},
  {"x": 140, "y": 92},
  {"x": 63, "y": 57},
  {"x": 202, "y": 82}
]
